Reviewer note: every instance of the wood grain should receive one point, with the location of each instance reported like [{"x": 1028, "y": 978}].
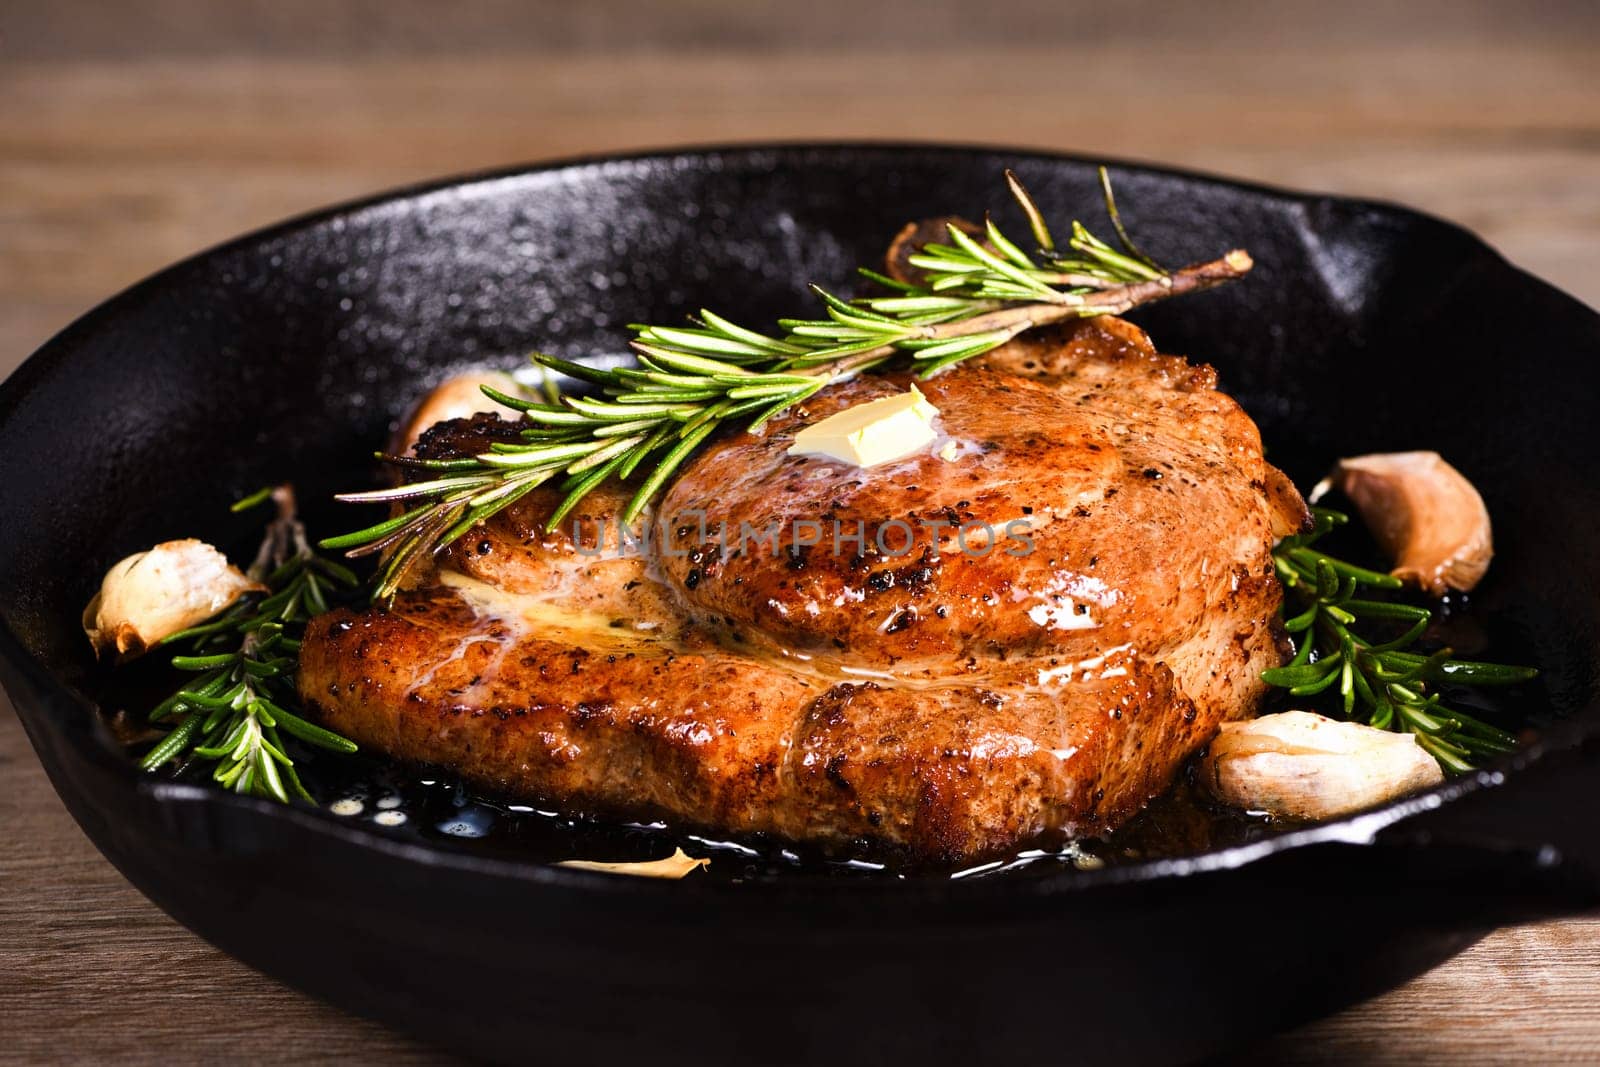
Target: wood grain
[{"x": 129, "y": 140}]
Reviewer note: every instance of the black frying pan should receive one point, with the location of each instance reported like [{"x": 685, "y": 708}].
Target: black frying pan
[{"x": 287, "y": 353}]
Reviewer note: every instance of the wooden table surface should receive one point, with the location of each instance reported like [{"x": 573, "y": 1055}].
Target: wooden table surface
[{"x": 133, "y": 135}]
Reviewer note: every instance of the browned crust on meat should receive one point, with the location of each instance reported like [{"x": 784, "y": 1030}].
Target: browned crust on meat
[{"x": 719, "y": 740}]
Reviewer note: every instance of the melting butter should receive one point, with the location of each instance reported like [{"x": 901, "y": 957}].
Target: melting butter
[
  {"x": 879, "y": 431},
  {"x": 527, "y": 614}
]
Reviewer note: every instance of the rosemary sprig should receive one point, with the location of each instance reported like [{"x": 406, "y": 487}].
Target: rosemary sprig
[
  {"x": 234, "y": 711},
  {"x": 1379, "y": 682},
  {"x": 691, "y": 380}
]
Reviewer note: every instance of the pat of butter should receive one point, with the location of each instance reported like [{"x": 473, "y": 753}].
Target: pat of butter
[{"x": 879, "y": 431}]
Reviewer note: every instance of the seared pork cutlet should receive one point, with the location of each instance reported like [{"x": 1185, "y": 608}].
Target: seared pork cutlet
[{"x": 1085, "y": 593}]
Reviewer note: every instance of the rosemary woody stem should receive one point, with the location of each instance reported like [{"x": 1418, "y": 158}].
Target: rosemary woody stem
[
  {"x": 1115, "y": 301},
  {"x": 1020, "y": 317}
]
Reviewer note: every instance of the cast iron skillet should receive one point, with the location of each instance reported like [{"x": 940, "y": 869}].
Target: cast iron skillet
[{"x": 286, "y": 354}]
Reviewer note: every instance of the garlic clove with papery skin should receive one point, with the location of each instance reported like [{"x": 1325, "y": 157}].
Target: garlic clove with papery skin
[
  {"x": 1425, "y": 515},
  {"x": 457, "y": 397},
  {"x": 152, "y": 595},
  {"x": 1307, "y": 766}
]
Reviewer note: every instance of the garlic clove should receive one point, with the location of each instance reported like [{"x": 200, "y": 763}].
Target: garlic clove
[
  {"x": 677, "y": 865},
  {"x": 1307, "y": 766},
  {"x": 914, "y": 235},
  {"x": 152, "y": 595},
  {"x": 458, "y": 397},
  {"x": 1424, "y": 514}
]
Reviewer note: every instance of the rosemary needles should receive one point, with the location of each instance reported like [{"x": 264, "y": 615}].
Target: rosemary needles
[
  {"x": 1380, "y": 682},
  {"x": 233, "y": 712}
]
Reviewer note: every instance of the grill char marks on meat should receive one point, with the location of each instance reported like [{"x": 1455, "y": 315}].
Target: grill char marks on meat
[{"x": 948, "y": 701}]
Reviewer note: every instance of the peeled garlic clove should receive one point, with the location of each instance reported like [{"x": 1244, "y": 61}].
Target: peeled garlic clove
[
  {"x": 152, "y": 595},
  {"x": 1307, "y": 766},
  {"x": 676, "y": 865},
  {"x": 460, "y": 397},
  {"x": 1424, "y": 514}
]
